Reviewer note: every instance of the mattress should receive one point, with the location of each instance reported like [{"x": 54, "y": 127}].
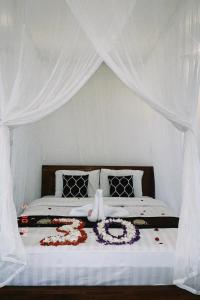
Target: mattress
[{"x": 146, "y": 262}]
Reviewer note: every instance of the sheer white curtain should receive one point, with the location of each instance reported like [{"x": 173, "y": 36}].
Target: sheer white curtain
[
  {"x": 153, "y": 46},
  {"x": 166, "y": 138},
  {"x": 26, "y": 161},
  {"x": 45, "y": 58}
]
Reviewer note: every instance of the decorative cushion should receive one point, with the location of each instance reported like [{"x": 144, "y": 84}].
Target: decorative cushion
[
  {"x": 137, "y": 182},
  {"x": 75, "y": 186},
  {"x": 121, "y": 186},
  {"x": 93, "y": 180}
]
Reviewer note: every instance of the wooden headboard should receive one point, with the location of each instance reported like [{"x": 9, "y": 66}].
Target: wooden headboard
[{"x": 48, "y": 176}]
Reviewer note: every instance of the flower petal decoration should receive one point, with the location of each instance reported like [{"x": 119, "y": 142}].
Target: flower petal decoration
[
  {"x": 74, "y": 234},
  {"x": 102, "y": 230}
]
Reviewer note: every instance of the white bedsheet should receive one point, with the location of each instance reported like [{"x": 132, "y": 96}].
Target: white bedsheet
[
  {"x": 145, "y": 262},
  {"x": 143, "y": 206}
]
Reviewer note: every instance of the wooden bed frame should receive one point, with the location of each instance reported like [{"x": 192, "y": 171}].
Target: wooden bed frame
[
  {"x": 95, "y": 292},
  {"x": 48, "y": 176}
]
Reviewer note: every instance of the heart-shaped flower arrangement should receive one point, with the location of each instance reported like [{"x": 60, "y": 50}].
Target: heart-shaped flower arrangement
[{"x": 73, "y": 233}]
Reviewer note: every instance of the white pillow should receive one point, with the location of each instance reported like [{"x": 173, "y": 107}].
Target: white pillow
[
  {"x": 93, "y": 181},
  {"x": 137, "y": 180}
]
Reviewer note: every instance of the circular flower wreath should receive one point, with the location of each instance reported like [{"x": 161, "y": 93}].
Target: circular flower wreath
[
  {"x": 73, "y": 233},
  {"x": 130, "y": 233}
]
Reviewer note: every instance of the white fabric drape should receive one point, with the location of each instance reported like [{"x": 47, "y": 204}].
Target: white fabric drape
[
  {"x": 101, "y": 108},
  {"x": 167, "y": 141},
  {"x": 43, "y": 64},
  {"x": 11, "y": 248},
  {"x": 154, "y": 49},
  {"x": 26, "y": 161}
]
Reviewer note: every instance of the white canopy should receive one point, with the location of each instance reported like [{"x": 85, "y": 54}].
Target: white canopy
[{"x": 48, "y": 51}]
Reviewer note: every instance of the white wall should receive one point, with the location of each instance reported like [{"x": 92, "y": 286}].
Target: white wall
[{"x": 105, "y": 123}]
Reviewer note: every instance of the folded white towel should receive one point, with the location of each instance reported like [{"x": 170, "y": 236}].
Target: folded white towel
[
  {"x": 93, "y": 214},
  {"x": 97, "y": 210},
  {"x": 81, "y": 211},
  {"x": 90, "y": 210},
  {"x": 109, "y": 211},
  {"x": 101, "y": 210}
]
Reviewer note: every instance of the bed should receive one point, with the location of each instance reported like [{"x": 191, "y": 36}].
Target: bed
[{"x": 91, "y": 265}]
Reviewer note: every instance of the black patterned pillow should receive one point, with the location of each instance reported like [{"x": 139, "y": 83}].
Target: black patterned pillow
[
  {"x": 121, "y": 186},
  {"x": 75, "y": 186}
]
